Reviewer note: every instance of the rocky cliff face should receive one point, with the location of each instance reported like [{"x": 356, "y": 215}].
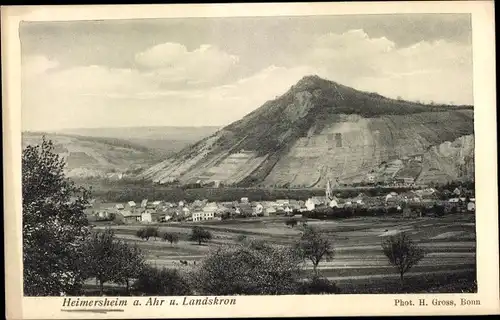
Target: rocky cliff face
[{"x": 321, "y": 130}]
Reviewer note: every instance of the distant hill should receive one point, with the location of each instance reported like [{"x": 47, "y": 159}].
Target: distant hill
[
  {"x": 321, "y": 130},
  {"x": 97, "y": 157},
  {"x": 165, "y": 140}
]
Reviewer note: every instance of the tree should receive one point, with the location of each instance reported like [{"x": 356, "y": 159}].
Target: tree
[
  {"x": 314, "y": 246},
  {"x": 104, "y": 257},
  {"x": 141, "y": 233},
  {"x": 130, "y": 264},
  {"x": 402, "y": 253},
  {"x": 170, "y": 237},
  {"x": 291, "y": 222},
  {"x": 200, "y": 235},
  {"x": 152, "y": 232},
  {"x": 249, "y": 269},
  {"x": 54, "y": 223},
  {"x": 146, "y": 233},
  {"x": 164, "y": 282}
]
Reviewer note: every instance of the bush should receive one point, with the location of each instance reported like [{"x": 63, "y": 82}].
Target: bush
[
  {"x": 249, "y": 269},
  {"x": 164, "y": 282},
  {"x": 146, "y": 233},
  {"x": 291, "y": 222},
  {"x": 318, "y": 285}
]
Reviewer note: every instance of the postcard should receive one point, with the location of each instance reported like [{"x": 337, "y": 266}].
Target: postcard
[{"x": 235, "y": 160}]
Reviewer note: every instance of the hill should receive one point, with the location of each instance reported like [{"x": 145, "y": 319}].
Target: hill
[
  {"x": 96, "y": 157},
  {"x": 165, "y": 140},
  {"x": 321, "y": 130}
]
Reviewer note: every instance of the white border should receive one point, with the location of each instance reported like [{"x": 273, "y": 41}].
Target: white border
[{"x": 485, "y": 128}]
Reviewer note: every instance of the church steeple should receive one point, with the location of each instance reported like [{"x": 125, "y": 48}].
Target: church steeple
[{"x": 328, "y": 191}]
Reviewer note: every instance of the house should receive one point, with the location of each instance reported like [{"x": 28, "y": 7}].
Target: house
[
  {"x": 131, "y": 205},
  {"x": 457, "y": 191},
  {"x": 168, "y": 205},
  {"x": 393, "y": 196},
  {"x": 198, "y": 204},
  {"x": 154, "y": 205},
  {"x": 334, "y": 203},
  {"x": 269, "y": 211},
  {"x": 181, "y": 203},
  {"x": 282, "y": 202},
  {"x": 314, "y": 202},
  {"x": 454, "y": 200},
  {"x": 258, "y": 209},
  {"x": 359, "y": 199},
  {"x": 246, "y": 209},
  {"x": 144, "y": 203},
  {"x": 119, "y": 206},
  {"x": 186, "y": 212},
  {"x": 129, "y": 216},
  {"x": 471, "y": 206},
  {"x": 203, "y": 215},
  {"x": 244, "y": 200},
  {"x": 288, "y": 210},
  {"x": 146, "y": 217},
  {"x": 211, "y": 207}
]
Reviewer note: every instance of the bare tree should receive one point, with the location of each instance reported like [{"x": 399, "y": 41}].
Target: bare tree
[
  {"x": 314, "y": 246},
  {"x": 402, "y": 253}
]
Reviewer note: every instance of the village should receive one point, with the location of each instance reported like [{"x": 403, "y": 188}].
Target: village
[{"x": 408, "y": 204}]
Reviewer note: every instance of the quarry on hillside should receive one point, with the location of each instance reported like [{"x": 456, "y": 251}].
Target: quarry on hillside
[{"x": 320, "y": 130}]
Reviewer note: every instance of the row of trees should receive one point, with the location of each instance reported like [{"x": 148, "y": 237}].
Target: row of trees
[
  {"x": 354, "y": 211},
  {"x": 198, "y": 235}
]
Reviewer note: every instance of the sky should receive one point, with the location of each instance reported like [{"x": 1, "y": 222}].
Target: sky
[{"x": 213, "y": 71}]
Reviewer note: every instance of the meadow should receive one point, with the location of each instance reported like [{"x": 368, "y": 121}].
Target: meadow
[{"x": 358, "y": 266}]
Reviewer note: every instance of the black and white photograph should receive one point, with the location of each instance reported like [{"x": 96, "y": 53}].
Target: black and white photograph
[{"x": 210, "y": 158}]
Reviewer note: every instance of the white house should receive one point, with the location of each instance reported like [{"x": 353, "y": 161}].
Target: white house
[
  {"x": 197, "y": 216},
  {"x": 131, "y": 204},
  {"x": 144, "y": 203},
  {"x": 453, "y": 200},
  {"x": 282, "y": 202},
  {"x": 146, "y": 217},
  {"x": 311, "y": 203},
  {"x": 471, "y": 206},
  {"x": 334, "y": 203},
  {"x": 186, "y": 211},
  {"x": 258, "y": 209},
  {"x": 119, "y": 206},
  {"x": 269, "y": 211},
  {"x": 288, "y": 210},
  {"x": 202, "y": 215},
  {"x": 244, "y": 200}
]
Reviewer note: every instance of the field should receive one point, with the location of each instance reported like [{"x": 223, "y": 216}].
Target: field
[{"x": 358, "y": 266}]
